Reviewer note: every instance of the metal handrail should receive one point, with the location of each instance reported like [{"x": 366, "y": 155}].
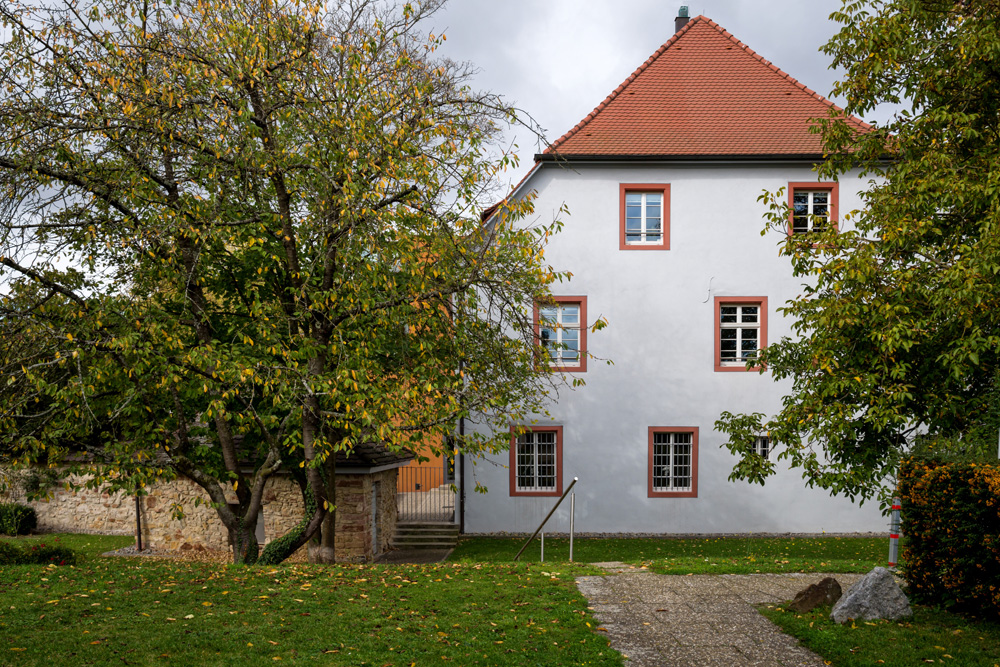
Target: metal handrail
[{"x": 547, "y": 517}]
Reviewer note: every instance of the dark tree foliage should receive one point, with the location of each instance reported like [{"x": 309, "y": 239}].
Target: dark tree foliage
[
  {"x": 244, "y": 236},
  {"x": 898, "y": 325}
]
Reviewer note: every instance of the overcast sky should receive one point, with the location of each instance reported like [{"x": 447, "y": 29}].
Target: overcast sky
[{"x": 558, "y": 59}]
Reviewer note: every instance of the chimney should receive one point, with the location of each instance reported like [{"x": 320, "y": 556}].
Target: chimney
[{"x": 682, "y": 18}]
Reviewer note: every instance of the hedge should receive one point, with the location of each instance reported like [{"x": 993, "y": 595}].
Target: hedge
[
  {"x": 951, "y": 524},
  {"x": 17, "y": 519},
  {"x": 36, "y": 554}
]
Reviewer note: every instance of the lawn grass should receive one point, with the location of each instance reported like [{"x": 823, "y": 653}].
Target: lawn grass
[
  {"x": 141, "y": 611},
  {"x": 720, "y": 555},
  {"x": 931, "y": 636},
  {"x": 85, "y": 546}
]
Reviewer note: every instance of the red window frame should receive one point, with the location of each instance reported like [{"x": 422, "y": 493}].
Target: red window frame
[
  {"x": 720, "y": 301},
  {"x": 832, "y": 187},
  {"x": 514, "y": 432},
  {"x": 661, "y": 188},
  {"x": 693, "y": 493},
  {"x": 557, "y": 300}
]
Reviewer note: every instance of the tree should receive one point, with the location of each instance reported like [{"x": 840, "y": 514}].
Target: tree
[
  {"x": 241, "y": 236},
  {"x": 898, "y": 324}
]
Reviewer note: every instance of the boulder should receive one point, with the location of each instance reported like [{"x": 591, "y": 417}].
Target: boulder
[
  {"x": 875, "y": 596},
  {"x": 825, "y": 592}
]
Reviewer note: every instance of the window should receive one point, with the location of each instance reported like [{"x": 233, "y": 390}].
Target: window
[
  {"x": 740, "y": 331},
  {"x": 673, "y": 462},
  {"x": 645, "y": 216},
  {"x": 762, "y": 446},
  {"x": 561, "y": 326},
  {"x": 536, "y": 462},
  {"x": 812, "y": 206}
]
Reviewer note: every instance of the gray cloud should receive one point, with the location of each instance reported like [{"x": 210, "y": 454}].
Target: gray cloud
[{"x": 558, "y": 59}]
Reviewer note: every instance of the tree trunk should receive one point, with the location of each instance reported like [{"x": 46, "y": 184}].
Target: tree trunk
[
  {"x": 322, "y": 548},
  {"x": 283, "y": 547},
  {"x": 242, "y": 535}
]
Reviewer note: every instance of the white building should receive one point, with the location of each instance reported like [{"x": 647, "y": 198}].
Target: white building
[{"x": 663, "y": 239}]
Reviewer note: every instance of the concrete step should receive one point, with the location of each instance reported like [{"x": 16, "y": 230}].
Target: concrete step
[
  {"x": 416, "y": 537},
  {"x": 423, "y": 545},
  {"x": 401, "y": 530},
  {"x": 425, "y": 535}
]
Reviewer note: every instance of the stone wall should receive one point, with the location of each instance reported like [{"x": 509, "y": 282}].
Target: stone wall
[
  {"x": 114, "y": 514},
  {"x": 354, "y": 507}
]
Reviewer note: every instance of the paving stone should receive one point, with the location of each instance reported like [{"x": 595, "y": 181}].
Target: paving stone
[
  {"x": 702, "y": 620},
  {"x": 700, "y": 656}
]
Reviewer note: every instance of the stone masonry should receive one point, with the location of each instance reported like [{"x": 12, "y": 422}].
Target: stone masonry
[{"x": 90, "y": 511}]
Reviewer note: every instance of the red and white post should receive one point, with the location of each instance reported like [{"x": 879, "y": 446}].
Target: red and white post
[{"x": 894, "y": 532}]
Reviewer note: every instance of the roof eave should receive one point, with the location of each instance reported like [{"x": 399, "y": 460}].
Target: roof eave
[{"x": 751, "y": 157}]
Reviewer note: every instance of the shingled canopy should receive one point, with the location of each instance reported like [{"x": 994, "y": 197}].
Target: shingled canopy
[{"x": 372, "y": 457}]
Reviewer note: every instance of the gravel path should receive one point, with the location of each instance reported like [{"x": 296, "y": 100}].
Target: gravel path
[{"x": 697, "y": 620}]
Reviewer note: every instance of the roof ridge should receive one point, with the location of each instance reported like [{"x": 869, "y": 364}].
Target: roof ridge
[
  {"x": 777, "y": 70},
  {"x": 553, "y": 147},
  {"x": 624, "y": 84}
]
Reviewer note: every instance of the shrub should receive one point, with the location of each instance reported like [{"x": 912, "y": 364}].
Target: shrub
[
  {"x": 17, "y": 519},
  {"x": 951, "y": 520},
  {"x": 36, "y": 554},
  {"x": 41, "y": 554},
  {"x": 10, "y": 554}
]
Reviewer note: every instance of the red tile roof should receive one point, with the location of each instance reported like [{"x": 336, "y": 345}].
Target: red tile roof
[{"x": 703, "y": 93}]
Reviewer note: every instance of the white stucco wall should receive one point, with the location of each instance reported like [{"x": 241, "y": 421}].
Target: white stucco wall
[{"x": 660, "y": 309}]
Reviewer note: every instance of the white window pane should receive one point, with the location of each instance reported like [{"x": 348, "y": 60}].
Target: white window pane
[{"x": 536, "y": 461}]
